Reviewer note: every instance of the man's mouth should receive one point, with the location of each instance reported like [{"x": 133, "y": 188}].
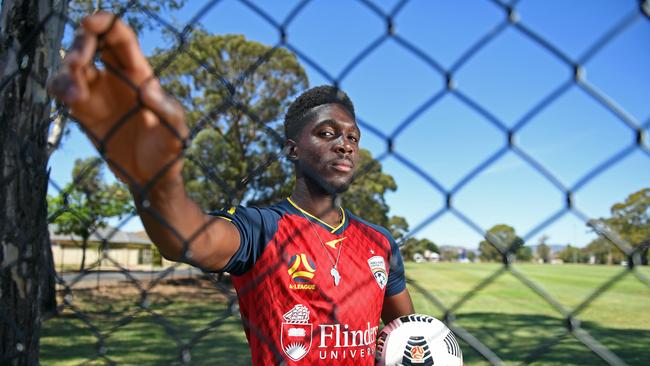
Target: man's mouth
[{"x": 343, "y": 166}]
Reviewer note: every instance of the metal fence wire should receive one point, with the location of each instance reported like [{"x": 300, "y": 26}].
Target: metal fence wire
[{"x": 182, "y": 346}]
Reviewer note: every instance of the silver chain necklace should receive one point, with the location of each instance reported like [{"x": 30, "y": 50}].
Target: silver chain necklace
[{"x": 334, "y": 271}]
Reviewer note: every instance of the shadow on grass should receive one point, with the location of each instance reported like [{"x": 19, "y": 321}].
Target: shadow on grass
[
  {"x": 115, "y": 323},
  {"x": 145, "y": 341},
  {"x": 179, "y": 311},
  {"x": 513, "y": 337}
]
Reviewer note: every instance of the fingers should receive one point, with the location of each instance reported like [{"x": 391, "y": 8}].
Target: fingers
[
  {"x": 120, "y": 49},
  {"x": 77, "y": 70},
  {"x": 119, "y": 40}
]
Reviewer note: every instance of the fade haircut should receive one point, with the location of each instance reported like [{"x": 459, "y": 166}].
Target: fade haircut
[{"x": 300, "y": 110}]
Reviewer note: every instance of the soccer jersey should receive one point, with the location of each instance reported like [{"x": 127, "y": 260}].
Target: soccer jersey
[{"x": 296, "y": 308}]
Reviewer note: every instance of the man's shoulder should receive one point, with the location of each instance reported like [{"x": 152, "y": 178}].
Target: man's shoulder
[
  {"x": 275, "y": 210},
  {"x": 377, "y": 228}
]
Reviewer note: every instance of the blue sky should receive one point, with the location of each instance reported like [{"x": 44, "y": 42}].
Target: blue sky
[{"x": 447, "y": 139}]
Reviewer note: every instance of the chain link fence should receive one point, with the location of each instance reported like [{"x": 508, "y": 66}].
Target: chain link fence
[{"x": 112, "y": 313}]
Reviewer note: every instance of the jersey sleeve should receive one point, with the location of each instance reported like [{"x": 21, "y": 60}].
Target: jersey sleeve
[
  {"x": 396, "y": 277},
  {"x": 256, "y": 228}
]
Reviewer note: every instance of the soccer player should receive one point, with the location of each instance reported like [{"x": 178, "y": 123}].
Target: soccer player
[{"x": 313, "y": 279}]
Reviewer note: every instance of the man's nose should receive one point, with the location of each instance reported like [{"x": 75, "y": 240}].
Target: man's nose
[{"x": 343, "y": 146}]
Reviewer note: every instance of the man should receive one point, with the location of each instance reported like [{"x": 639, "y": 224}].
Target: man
[{"x": 312, "y": 279}]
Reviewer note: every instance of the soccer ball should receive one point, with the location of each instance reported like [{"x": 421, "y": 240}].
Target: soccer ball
[{"x": 417, "y": 340}]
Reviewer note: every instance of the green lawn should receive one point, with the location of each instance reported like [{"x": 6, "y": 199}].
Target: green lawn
[
  {"x": 178, "y": 315},
  {"x": 505, "y": 315},
  {"x": 513, "y": 320}
]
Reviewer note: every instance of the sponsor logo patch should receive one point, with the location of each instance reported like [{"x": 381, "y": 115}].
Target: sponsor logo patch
[
  {"x": 332, "y": 243},
  {"x": 378, "y": 268},
  {"x": 296, "y": 334}
]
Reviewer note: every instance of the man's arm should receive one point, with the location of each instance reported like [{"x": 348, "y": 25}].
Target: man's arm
[
  {"x": 396, "y": 306},
  {"x": 175, "y": 223},
  {"x": 143, "y": 148}
]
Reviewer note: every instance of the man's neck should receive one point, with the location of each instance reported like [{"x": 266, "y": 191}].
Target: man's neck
[{"x": 322, "y": 205}]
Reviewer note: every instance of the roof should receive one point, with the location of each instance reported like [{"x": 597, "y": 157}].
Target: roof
[{"x": 112, "y": 234}]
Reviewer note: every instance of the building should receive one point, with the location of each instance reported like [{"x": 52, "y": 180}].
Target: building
[{"x": 125, "y": 249}]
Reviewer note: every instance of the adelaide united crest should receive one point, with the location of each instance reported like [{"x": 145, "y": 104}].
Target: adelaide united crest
[
  {"x": 296, "y": 332},
  {"x": 378, "y": 268}
]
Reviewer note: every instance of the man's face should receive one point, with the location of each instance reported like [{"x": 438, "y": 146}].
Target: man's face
[{"x": 327, "y": 148}]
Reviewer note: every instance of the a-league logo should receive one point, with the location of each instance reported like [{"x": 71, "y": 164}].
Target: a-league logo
[{"x": 296, "y": 333}]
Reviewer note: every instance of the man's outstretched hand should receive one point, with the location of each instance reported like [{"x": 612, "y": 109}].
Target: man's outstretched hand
[
  {"x": 122, "y": 107},
  {"x": 141, "y": 131}
]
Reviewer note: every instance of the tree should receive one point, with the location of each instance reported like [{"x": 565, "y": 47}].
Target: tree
[
  {"x": 413, "y": 245},
  {"x": 365, "y": 196},
  {"x": 524, "y": 254},
  {"x": 133, "y": 16},
  {"x": 631, "y": 220},
  {"x": 471, "y": 256},
  {"x": 543, "y": 250},
  {"x": 603, "y": 251},
  {"x": 88, "y": 202},
  {"x": 233, "y": 91},
  {"x": 234, "y": 131},
  {"x": 505, "y": 238},
  {"x": 573, "y": 255},
  {"x": 398, "y": 227},
  {"x": 29, "y": 47}
]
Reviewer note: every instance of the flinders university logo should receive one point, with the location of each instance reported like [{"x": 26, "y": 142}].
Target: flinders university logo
[
  {"x": 302, "y": 270},
  {"x": 296, "y": 333},
  {"x": 378, "y": 268}
]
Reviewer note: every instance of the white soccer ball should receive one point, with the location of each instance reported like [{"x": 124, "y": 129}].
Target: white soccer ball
[{"x": 417, "y": 340}]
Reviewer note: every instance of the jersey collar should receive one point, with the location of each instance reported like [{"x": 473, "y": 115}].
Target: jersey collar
[{"x": 294, "y": 208}]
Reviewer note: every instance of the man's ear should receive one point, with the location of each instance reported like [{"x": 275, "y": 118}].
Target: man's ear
[{"x": 291, "y": 149}]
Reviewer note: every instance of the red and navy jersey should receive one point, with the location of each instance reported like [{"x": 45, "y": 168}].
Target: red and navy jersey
[{"x": 291, "y": 308}]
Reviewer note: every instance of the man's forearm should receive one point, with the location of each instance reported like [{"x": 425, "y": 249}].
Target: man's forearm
[{"x": 175, "y": 223}]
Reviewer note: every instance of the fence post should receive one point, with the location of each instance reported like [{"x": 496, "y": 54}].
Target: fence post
[{"x": 30, "y": 39}]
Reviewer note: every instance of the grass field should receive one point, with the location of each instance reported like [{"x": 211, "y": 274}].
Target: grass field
[
  {"x": 505, "y": 315},
  {"x": 513, "y": 320}
]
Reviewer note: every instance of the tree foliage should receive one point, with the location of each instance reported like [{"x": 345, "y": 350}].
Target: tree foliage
[
  {"x": 505, "y": 238},
  {"x": 88, "y": 202},
  {"x": 573, "y": 255},
  {"x": 543, "y": 253},
  {"x": 412, "y": 246},
  {"x": 234, "y": 104},
  {"x": 234, "y": 91},
  {"x": 365, "y": 197},
  {"x": 543, "y": 250},
  {"x": 630, "y": 220},
  {"x": 601, "y": 251},
  {"x": 524, "y": 254},
  {"x": 133, "y": 15},
  {"x": 398, "y": 227}
]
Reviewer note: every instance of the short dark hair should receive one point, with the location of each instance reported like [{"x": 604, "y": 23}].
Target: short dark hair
[{"x": 299, "y": 110}]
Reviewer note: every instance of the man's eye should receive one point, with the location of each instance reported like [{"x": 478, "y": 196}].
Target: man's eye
[
  {"x": 327, "y": 133},
  {"x": 353, "y": 138}
]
